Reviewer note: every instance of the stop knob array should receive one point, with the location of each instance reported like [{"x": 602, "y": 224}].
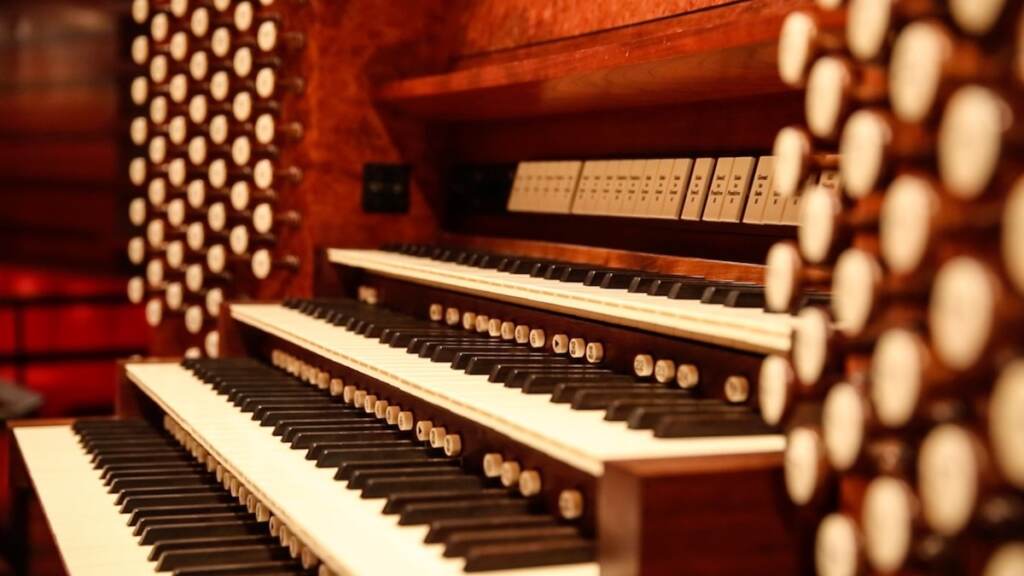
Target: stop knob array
[
  {"x": 903, "y": 397},
  {"x": 208, "y": 168}
]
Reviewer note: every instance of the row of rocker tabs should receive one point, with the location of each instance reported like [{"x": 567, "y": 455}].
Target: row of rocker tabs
[{"x": 727, "y": 189}]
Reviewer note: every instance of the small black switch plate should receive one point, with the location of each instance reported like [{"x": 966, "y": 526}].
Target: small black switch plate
[{"x": 386, "y": 187}]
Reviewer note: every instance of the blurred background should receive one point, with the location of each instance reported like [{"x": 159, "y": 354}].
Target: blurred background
[{"x": 64, "y": 316}]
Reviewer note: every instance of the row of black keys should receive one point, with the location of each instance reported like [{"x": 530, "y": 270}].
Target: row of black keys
[
  {"x": 192, "y": 524},
  {"x": 674, "y": 286},
  {"x": 488, "y": 525},
  {"x": 666, "y": 409}
]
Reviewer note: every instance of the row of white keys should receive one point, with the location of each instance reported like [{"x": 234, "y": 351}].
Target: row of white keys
[
  {"x": 94, "y": 538},
  {"x": 743, "y": 328},
  {"x": 580, "y": 438},
  {"x": 347, "y": 532}
]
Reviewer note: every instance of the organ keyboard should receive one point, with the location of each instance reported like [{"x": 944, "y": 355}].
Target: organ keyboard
[{"x": 653, "y": 312}]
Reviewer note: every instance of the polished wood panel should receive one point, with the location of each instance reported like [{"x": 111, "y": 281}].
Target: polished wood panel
[
  {"x": 488, "y": 29},
  {"x": 709, "y": 54}
]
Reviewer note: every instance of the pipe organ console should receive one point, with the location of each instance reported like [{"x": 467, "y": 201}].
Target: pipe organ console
[{"x": 733, "y": 290}]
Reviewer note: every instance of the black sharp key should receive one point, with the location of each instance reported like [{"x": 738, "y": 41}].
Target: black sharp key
[
  {"x": 555, "y": 271},
  {"x": 360, "y": 477},
  {"x": 331, "y": 458},
  {"x": 599, "y": 399},
  {"x": 111, "y": 473},
  {"x": 448, "y": 352},
  {"x": 192, "y": 519},
  {"x": 159, "y": 548},
  {"x": 484, "y": 363},
  {"x": 260, "y": 409},
  {"x": 527, "y": 554},
  {"x": 618, "y": 279},
  {"x": 440, "y": 529},
  {"x": 176, "y": 559},
  {"x": 261, "y": 404},
  {"x": 428, "y": 347},
  {"x": 620, "y": 410},
  {"x": 688, "y": 290},
  {"x": 686, "y": 426},
  {"x": 546, "y": 383},
  {"x": 318, "y": 449},
  {"x": 425, "y": 512},
  {"x": 169, "y": 491},
  {"x": 348, "y": 470},
  {"x": 274, "y": 417},
  {"x": 202, "y": 530},
  {"x": 459, "y": 543},
  {"x": 389, "y": 487},
  {"x": 745, "y": 298},
  {"x": 400, "y": 338},
  {"x": 362, "y": 434},
  {"x": 271, "y": 568},
  {"x": 179, "y": 458},
  {"x": 514, "y": 374},
  {"x": 650, "y": 416},
  {"x": 575, "y": 273},
  {"x": 159, "y": 511},
  {"x": 292, "y": 431},
  {"x": 565, "y": 392},
  {"x": 135, "y": 503}
]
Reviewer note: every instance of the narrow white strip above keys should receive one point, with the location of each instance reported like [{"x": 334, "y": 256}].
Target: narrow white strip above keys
[
  {"x": 92, "y": 535},
  {"x": 580, "y": 438},
  {"x": 347, "y": 532},
  {"x": 750, "y": 329}
]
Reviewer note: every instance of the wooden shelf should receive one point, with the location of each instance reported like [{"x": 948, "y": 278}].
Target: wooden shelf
[{"x": 722, "y": 52}]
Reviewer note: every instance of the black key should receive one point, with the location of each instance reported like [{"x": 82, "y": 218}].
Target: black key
[
  {"x": 599, "y": 399},
  {"x": 745, "y": 298},
  {"x": 546, "y": 383},
  {"x": 292, "y": 430},
  {"x": 448, "y": 352},
  {"x": 318, "y": 449},
  {"x": 688, "y": 290},
  {"x": 159, "y": 548},
  {"x": 391, "y": 487},
  {"x": 687, "y": 426},
  {"x": 192, "y": 519},
  {"x": 459, "y": 543},
  {"x": 515, "y": 374},
  {"x": 347, "y": 470},
  {"x": 359, "y": 478},
  {"x": 337, "y": 457},
  {"x": 441, "y": 529},
  {"x": 621, "y": 409},
  {"x": 527, "y": 554},
  {"x": 565, "y": 392},
  {"x": 176, "y": 559},
  {"x": 138, "y": 502},
  {"x": 649, "y": 417},
  {"x": 202, "y": 530},
  {"x": 483, "y": 364},
  {"x": 159, "y": 511},
  {"x": 169, "y": 491},
  {"x": 425, "y": 512},
  {"x": 618, "y": 279},
  {"x": 361, "y": 434}
]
